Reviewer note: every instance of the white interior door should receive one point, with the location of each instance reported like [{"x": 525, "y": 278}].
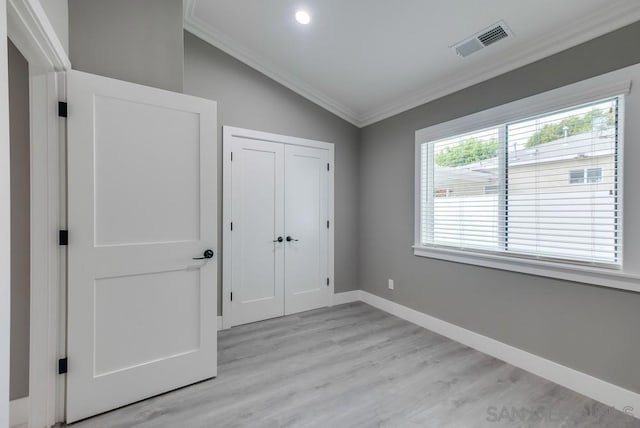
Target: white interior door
[
  {"x": 306, "y": 215},
  {"x": 258, "y": 221},
  {"x": 142, "y": 203}
]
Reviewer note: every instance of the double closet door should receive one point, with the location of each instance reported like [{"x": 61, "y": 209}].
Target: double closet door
[{"x": 279, "y": 229}]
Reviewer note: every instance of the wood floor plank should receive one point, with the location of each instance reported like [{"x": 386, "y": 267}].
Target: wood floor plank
[{"x": 355, "y": 366}]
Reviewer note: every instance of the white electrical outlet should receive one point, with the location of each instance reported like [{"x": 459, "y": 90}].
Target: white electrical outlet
[{"x": 391, "y": 284}]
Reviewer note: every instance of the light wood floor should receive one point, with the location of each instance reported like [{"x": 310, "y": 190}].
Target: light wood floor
[{"x": 355, "y": 366}]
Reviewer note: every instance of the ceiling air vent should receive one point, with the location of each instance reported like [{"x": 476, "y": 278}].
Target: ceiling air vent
[{"x": 482, "y": 39}]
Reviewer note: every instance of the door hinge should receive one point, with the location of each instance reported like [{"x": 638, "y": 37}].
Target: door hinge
[
  {"x": 327, "y": 224},
  {"x": 62, "y": 365},
  {"x": 327, "y": 282},
  {"x": 328, "y": 167},
  {"x": 232, "y": 296},
  {"x": 231, "y": 156},
  {"x": 232, "y": 226},
  {"x": 63, "y": 237},
  {"x": 62, "y": 109}
]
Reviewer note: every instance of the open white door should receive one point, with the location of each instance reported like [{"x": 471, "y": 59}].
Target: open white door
[{"x": 142, "y": 204}]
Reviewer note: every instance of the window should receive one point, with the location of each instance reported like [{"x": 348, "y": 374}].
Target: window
[
  {"x": 491, "y": 189},
  {"x": 506, "y": 190},
  {"x": 576, "y": 176},
  {"x": 594, "y": 175},
  {"x": 587, "y": 175}
]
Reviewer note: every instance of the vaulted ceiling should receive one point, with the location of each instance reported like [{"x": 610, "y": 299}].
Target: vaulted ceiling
[{"x": 366, "y": 60}]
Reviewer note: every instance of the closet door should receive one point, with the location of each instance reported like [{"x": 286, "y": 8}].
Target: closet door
[
  {"x": 306, "y": 215},
  {"x": 258, "y": 221}
]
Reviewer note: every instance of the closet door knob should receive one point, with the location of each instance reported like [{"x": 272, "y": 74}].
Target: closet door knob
[
  {"x": 279, "y": 239},
  {"x": 289, "y": 239}
]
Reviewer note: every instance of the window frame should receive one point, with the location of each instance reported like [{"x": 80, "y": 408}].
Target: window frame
[
  {"x": 577, "y": 180},
  {"x": 494, "y": 189},
  {"x": 598, "y": 178},
  {"x": 585, "y": 176},
  {"x": 584, "y": 92}
]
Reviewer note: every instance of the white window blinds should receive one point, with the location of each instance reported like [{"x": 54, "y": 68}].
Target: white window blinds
[{"x": 543, "y": 187}]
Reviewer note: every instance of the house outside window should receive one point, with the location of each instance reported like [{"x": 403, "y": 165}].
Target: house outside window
[{"x": 507, "y": 190}]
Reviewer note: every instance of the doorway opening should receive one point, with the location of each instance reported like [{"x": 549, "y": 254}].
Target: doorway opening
[{"x": 20, "y": 170}]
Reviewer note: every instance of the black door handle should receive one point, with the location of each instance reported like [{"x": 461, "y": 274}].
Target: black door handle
[
  {"x": 279, "y": 239},
  {"x": 208, "y": 254},
  {"x": 289, "y": 239}
]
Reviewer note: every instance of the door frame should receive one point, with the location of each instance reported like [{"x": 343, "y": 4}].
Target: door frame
[
  {"x": 30, "y": 30},
  {"x": 227, "y": 133},
  {"x": 5, "y": 225}
]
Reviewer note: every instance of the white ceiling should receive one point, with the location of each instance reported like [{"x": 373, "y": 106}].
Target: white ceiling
[{"x": 366, "y": 60}]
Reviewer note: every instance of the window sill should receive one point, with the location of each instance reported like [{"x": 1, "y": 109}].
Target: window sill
[{"x": 585, "y": 274}]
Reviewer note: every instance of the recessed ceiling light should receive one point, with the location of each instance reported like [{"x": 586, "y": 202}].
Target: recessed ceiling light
[{"x": 303, "y": 17}]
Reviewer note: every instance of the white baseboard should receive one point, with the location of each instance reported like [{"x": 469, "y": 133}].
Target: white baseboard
[
  {"x": 346, "y": 297},
  {"x": 219, "y": 323},
  {"x": 19, "y": 413},
  {"x": 597, "y": 389}
]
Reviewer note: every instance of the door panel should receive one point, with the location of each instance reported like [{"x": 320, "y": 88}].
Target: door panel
[
  {"x": 124, "y": 317},
  {"x": 142, "y": 203},
  {"x": 257, "y": 213},
  {"x": 306, "y": 214},
  {"x": 159, "y": 171}
]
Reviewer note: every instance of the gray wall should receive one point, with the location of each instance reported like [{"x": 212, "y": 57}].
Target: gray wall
[
  {"x": 589, "y": 328},
  {"x": 248, "y": 99},
  {"x": 58, "y": 14},
  {"x": 138, "y": 41},
  {"x": 20, "y": 221}
]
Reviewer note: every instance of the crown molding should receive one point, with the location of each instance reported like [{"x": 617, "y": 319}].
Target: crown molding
[
  {"x": 196, "y": 26},
  {"x": 617, "y": 14},
  {"x": 29, "y": 28},
  {"x": 578, "y": 32}
]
